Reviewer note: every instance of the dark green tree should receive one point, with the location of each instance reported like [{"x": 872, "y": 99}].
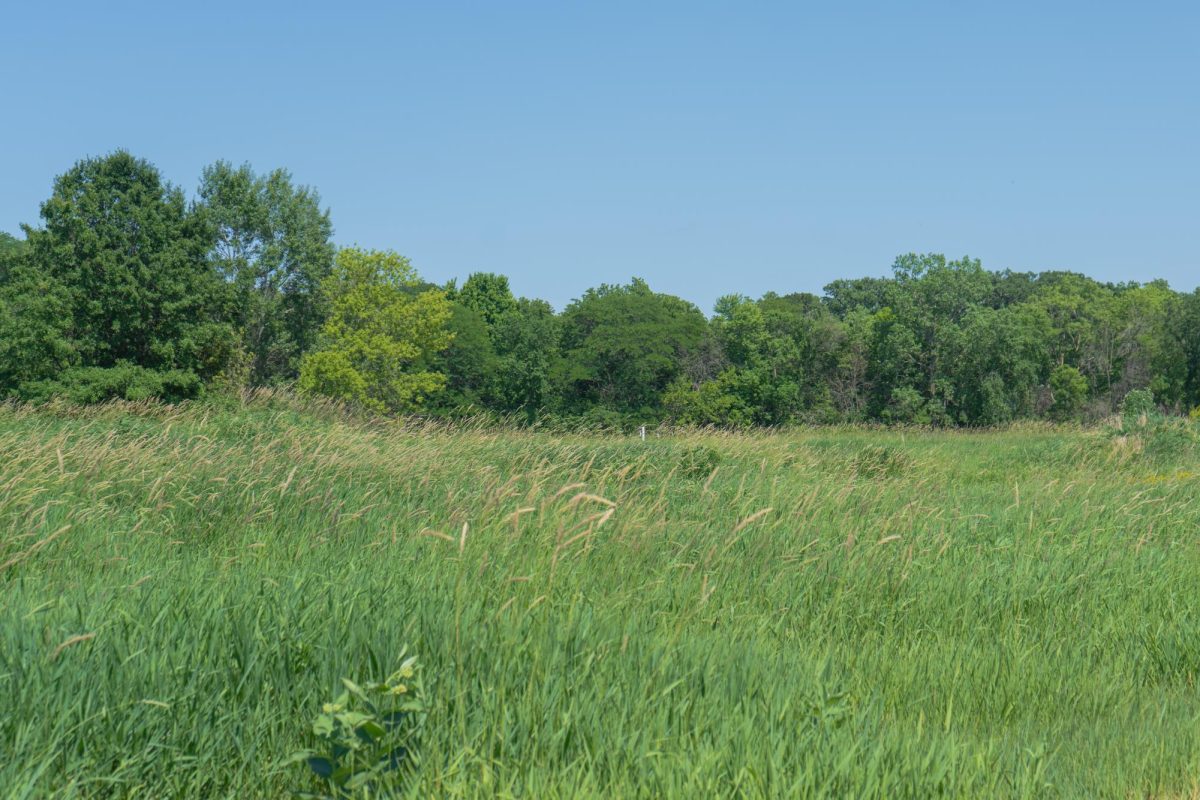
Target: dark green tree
[
  {"x": 893, "y": 362},
  {"x": 11, "y": 251},
  {"x": 1010, "y": 288},
  {"x": 845, "y": 295},
  {"x": 469, "y": 363},
  {"x": 35, "y": 330},
  {"x": 1069, "y": 390},
  {"x": 125, "y": 263},
  {"x": 1003, "y": 361},
  {"x": 1178, "y": 362},
  {"x": 623, "y": 345},
  {"x": 931, "y": 297},
  {"x": 527, "y": 347},
  {"x": 780, "y": 351},
  {"x": 849, "y": 381}
]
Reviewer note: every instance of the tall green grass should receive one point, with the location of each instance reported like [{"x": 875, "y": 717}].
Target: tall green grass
[{"x": 829, "y": 613}]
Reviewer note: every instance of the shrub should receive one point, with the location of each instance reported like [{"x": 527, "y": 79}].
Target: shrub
[
  {"x": 87, "y": 385},
  {"x": 1138, "y": 403},
  {"x": 714, "y": 403}
]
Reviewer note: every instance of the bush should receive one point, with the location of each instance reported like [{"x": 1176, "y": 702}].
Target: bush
[
  {"x": 87, "y": 385},
  {"x": 714, "y": 403},
  {"x": 1137, "y": 403},
  {"x": 1154, "y": 435}
]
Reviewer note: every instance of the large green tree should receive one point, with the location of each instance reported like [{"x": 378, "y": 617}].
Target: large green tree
[
  {"x": 469, "y": 362},
  {"x": 845, "y": 295},
  {"x": 527, "y": 348},
  {"x": 504, "y": 348},
  {"x": 849, "y": 379},
  {"x": 9, "y": 243},
  {"x": 124, "y": 260},
  {"x": 35, "y": 331},
  {"x": 270, "y": 240},
  {"x": 767, "y": 344},
  {"x": 1001, "y": 365},
  {"x": 623, "y": 345},
  {"x": 931, "y": 297}
]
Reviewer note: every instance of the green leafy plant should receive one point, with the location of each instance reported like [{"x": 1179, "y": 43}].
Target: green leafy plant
[
  {"x": 367, "y": 737},
  {"x": 1138, "y": 403}
]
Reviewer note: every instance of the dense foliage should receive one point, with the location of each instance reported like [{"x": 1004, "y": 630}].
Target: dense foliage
[
  {"x": 128, "y": 290},
  {"x": 270, "y": 241},
  {"x": 377, "y": 330}
]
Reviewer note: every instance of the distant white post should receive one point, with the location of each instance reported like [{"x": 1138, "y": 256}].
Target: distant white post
[{"x": 643, "y": 431}]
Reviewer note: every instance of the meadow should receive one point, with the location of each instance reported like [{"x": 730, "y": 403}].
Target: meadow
[{"x": 836, "y": 612}]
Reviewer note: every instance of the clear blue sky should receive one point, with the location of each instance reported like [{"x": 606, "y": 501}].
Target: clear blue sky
[{"x": 708, "y": 147}]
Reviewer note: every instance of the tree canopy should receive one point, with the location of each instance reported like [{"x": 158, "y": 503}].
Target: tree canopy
[
  {"x": 127, "y": 289},
  {"x": 115, "y": 277},
  {"x": 623, "y": 345},
  {"x": 270, "y": 241},
  {"x": 378, "y": 331}
]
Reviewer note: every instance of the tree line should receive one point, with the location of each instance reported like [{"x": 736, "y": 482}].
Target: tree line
[{"x": 128, "y": 289}]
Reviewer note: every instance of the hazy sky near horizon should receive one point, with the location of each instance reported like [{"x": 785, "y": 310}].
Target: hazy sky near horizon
[{"x": 709, "y": 147}]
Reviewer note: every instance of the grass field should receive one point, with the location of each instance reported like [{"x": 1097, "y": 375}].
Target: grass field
[{"x": 842, "y": 613}]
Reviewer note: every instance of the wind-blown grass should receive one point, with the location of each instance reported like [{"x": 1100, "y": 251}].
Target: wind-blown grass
[{"x": 824, "y": 613}]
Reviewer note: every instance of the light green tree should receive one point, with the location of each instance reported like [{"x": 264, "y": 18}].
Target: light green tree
[
  {"x": 489, "y": 295},
  {"x": 271, "y": 243},
  {"x": 378, "y": 333}
]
